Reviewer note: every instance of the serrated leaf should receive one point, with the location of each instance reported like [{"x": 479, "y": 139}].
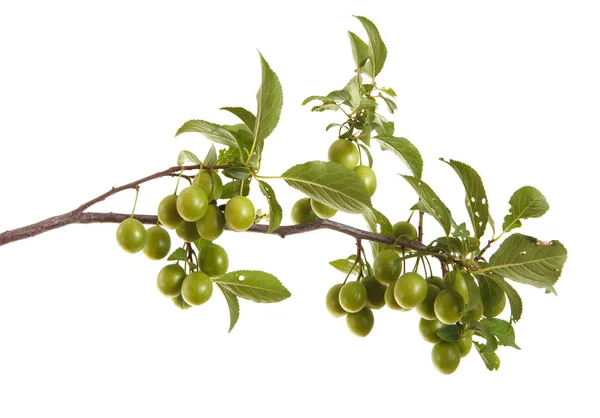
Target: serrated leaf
[
  {"x": 345, "y": 266},
  {"x": 229, "y": 156},
  {"x": 388, "y": 90},
  {"x": 367, "y": 104},
  {"x": 354, "y": 93},
  {"x": 179, "y": 254},
  {"x": 201, "y": 243},
  {"x": 521, "y": 259},
  {"x": 476, "y": 198},
  {"x": 212, "y": 131},
  {"x": 269, "y": 99},
  {"x": 243, "y": 137},
  {"x": 211, "y": 156},
  {"x": 377, "y": 49},
  {"x": 360, "y": 50},
  {"x": 491, "y": 360},
  {"x": 233, "y": 304},
  {"x": 330, "y": 183},
  {"x": 254, "y": 285},
  {"x": 502, "y": 330},
  {"x": 331, "y": 125},
  {"x": 245, "y": 116},
  {"x": 461, "y": 231},
  {"x": 339, "y": 95},
  {"x": 275, "y": 212},
  {"x": 482, "y": 330},
  {"x": 449, "y": 333},
  {"x": 491, "y": 293},
  {"x": 368, "y": 154},
  {"x": 379, "y": 224},
  {"x": 391, "y": 105},
  {"x": 324, "y": 107},
  {"x": 405, "y": 150},
  {"x": 365, "y": 135},
  {"x": 430, "y": 203},
  {"x": 516, "y": 304},
  {"x": 527, "y": 202},
  {"x": 233, "y": 188},
  {"x": 474, "y": 292},
  {"x": 447, "y": 245},
  {"x": 237, "y": 173},
  {"x": 187, "y": 157},
  {"x": 324, "y": 99}
]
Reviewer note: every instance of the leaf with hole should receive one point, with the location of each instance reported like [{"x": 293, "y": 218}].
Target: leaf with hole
[
  {"x": 476, "y": 199},
  {"x": 331, "y": 184},
  {"x": 254, "y": 285},
  {"x": 527, "y": 202},
  {"x": 522, "y": 259},
  {"x": 430, "y": 203}
]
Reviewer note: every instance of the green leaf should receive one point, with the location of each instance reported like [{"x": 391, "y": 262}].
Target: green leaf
[
  {"x": 377, "y": 49},
  {"x": 516, "y": 304},
  {"x": 254, "y": 285},
  {"x": 211, "y": 156},
  {"x": 275, "y": 212},
  {"x": 233, "y": 304},
  {"x": 339, "y": 95},
  {"x": 482, "y": 330},
  {"x": 270, "y": 101},
  {"x": 365, "y": 135},
  {"x": 187, "y": 157},
  {"x": 354, "y": 92},
  {"x": 491, "y": 360},
  {"x": 526, "y": 260},
  {"x": 527, "y": 202},
  {"x": 331, "y": 125},
  {"x": 386, "y": 129},
  {"x": 367, "y": 104},
  {"x": 391, "y": 105},
  {"x": 212, "y": 131},
  {"x": 201, "y": 243},
  {"x": 232, "y": 189},
  {"x": 368, "y": 154},
  {"x": 324, "y": 99},
  {"x": 229, "y": 156},
  {"x": 461, "y": 231},
  {"x": 388, "y": 90},
  {"x": 474, "y": 291},
  {"x": 502, "y": 330},
  {"x": 379, "y": 224},
  {"x": 449, "y": 333},
  {"x": 448, "y": 245},
  {"x": 243, "y": 138},
  {"x": 360, "y": 50},
  {"x": 491, "y": 292},
  {"x": 430, "y": 203},
  {"x": 237, "y": 173},
  {"x": 345, "y": 266},
  {"x": 476, "y": 198},
  {"x": 405, "y": 150},
  {"x": 331, "y": 184},
  {"x": 325, "y": 107},
  {"x": 179, "y": 254},
  {"x": 245, "y": 116}
]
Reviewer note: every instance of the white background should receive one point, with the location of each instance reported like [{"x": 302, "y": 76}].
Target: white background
[{"x": 91, "y": 96}]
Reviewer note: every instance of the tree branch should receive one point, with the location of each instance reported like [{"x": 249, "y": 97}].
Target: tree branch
[{"x": 79, "y": 216}]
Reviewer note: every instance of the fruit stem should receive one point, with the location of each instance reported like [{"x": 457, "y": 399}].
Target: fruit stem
[
  {"x": 177, "y": 184},
  {"x": 137, "y": 192}
]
